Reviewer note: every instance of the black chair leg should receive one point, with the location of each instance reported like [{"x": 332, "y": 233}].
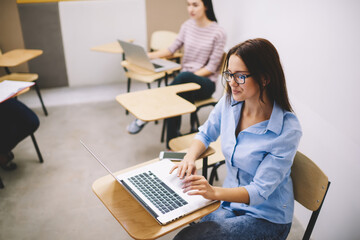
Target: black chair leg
[
  {"x": 37, "y": 148},
  {"x": 194, "y": 122},
  {"x": 42, "y": 103},
  {"x": 163, "y": 131},
  {"x": 1, "y": 183},
  {"x": 214, "y": 171},
  {"x": 128, "y": 90}
]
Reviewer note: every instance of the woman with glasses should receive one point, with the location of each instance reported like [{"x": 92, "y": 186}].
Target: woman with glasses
[
  {"x": 203, "y": 41},
  {"x": 259, "y": 138}
]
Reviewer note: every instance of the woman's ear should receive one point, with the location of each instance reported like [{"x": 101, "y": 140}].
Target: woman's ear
[{"x": 265, "y": 81}]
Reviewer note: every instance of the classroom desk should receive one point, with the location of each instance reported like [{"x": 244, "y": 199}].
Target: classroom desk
[
  {"x": 113, "y": 47},
  {"x": 158, "y": 103},
  {"x": 137, "y": 222},
  {"x": 16, "y": 57}
]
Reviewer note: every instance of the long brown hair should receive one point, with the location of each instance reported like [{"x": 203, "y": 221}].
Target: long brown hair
[
  {"x": 263, "y": 61},
  {"x": 209, "y": 10}
]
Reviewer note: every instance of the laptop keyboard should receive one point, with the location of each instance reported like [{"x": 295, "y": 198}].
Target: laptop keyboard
[{"x": 158, "y": 193}]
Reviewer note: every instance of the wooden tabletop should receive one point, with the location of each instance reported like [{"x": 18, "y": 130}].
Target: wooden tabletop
[
  {"x": 113, "y": 47},
  {"x": 18, "y": 56},
  {"x": 138, "y": 223},
  {"x": 158, "y": 103}
]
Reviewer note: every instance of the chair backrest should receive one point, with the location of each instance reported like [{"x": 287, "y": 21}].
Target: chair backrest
[
  {"x": 162, "y": 39},
  {"x": 222, "y": 63},
  {"x": 310, "y": 187}
]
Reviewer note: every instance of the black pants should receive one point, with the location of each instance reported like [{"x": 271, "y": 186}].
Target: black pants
[
  {"x": 206, "y": 91},
  {"x": 17, "y": 122}
]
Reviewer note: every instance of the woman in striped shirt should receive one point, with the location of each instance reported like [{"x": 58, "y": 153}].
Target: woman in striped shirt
[{"x": 203, "y": 41}]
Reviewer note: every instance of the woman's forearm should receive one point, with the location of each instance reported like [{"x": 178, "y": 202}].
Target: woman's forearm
[
  {"x": 162, "y": 53},
  {"x": 239, "y": 194}
]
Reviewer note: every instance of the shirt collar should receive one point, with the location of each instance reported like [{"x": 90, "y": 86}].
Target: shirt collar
[
  {"x": 275, "y": 123},
  {"x": 276, "y": 119}
]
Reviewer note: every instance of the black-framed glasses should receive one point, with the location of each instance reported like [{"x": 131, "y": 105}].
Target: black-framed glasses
[{"x": 239, "y": 78}]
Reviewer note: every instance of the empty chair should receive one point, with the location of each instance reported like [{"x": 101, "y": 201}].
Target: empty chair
[{"x": 310, "y": 187}]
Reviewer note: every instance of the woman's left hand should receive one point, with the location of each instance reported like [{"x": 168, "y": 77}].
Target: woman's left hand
[{"x": 198, "y": 185}]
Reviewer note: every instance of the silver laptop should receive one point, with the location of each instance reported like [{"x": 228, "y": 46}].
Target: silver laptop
[
  {"x": 159, "y": 192},
  {"x": 136, "y": 55}
]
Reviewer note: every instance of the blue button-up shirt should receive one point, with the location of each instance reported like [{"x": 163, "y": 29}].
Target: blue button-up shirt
[{"x": 259, "y": 158}]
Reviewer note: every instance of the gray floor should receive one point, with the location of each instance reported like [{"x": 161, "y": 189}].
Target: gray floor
[{"x": 54, "y": 200}]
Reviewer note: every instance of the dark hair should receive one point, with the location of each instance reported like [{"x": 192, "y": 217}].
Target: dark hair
[
  {"x": 209, "y": 10},
  {"x": 263, "y": 61}
]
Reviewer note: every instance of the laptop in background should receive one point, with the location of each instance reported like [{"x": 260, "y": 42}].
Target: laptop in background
[
  {"x": 137, "y": 55},
  {"x": 159, "y": 192}
]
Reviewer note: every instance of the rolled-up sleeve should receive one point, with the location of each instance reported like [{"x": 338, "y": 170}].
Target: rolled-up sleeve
[{"x": 275, "y": 167}]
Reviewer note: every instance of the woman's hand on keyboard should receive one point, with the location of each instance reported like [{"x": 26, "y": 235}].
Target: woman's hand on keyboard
[
  {"x": 198, "y": 185},
  {"x": 184, "y": 168}
]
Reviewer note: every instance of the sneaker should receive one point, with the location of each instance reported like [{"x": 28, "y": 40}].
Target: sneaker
[{"x": 135, "y": 126}]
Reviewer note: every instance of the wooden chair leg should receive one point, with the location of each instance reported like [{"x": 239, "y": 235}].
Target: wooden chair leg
[
  {"x": 42, "y": 103},
  {"x": 1, "y": 183},
  {"x": 37, "y": 148}
]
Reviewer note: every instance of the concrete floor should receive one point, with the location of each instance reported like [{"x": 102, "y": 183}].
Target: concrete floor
[{"x": 54, "y": 200}]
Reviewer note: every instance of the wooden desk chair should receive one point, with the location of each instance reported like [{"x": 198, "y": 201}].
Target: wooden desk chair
[
  {"x": 310, "y": 187},
  {"x": 25, "y": 77},
  {"x": 215, "y": 160},
  {"x": 194, "y": 119},
  {"x": 41, "y": 160}
]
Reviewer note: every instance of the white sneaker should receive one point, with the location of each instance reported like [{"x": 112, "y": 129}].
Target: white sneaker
[{"x": 135, "y": 126}]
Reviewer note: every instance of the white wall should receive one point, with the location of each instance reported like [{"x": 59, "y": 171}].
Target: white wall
[
  {"x": 85, "y": 24},
  {"x": 319, "y": 44}
]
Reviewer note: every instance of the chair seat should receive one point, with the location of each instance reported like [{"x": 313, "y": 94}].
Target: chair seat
[
  {"x": 205, "y": 102},
  {"x": 144, "y": 78},
  {"x": 25, "y": 77}
]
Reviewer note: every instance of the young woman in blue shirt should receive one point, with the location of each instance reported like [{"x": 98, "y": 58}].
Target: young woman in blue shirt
[{"x": 259, "y": 138}]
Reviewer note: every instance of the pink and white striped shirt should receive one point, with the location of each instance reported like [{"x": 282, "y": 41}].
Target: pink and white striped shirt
[{"x": 203, "y": 47}]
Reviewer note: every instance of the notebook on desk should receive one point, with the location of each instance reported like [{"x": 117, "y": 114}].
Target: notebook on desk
[
  {"x": 159, "y": 192},
  {"x": 136, "y": 55}
]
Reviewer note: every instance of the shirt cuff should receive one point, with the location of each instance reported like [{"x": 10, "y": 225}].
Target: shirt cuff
[
  {"x": 255, "y": 197},
  {"x": 202, "y": 138}
]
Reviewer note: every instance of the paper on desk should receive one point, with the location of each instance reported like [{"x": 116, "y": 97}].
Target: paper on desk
[{"x": 10, "y": 88}]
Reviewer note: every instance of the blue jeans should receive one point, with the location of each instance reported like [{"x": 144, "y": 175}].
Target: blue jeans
[
  {"x": 231, "y": 225},
  {"x": 17, "y": 122},
  {"x": 207, "y": 88}
]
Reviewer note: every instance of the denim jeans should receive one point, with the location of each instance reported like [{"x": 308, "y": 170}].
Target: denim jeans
[
  {"x": 17, "y": 122},
  {"x": 207, "y": 88},
  {"x": 231, "y": 225}
]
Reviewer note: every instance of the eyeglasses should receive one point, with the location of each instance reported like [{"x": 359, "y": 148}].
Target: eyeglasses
[{"x": 239, "y": 78}]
